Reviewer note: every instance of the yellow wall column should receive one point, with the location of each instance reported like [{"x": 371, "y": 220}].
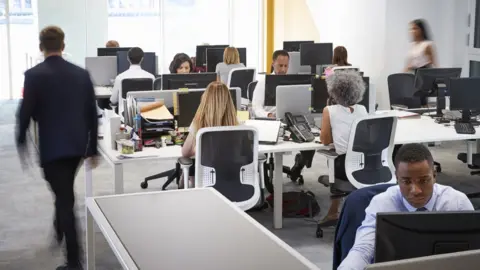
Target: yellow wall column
[{"x": 270, "y": 33}]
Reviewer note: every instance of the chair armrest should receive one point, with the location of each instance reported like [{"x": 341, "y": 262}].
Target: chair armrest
[
  {"x": 185, "y": 162},
  {"x": 330, "y": 153},
  {"x": 262, "y": 157}
]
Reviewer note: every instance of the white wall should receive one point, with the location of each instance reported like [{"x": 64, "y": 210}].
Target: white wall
[
  {"x": 82, "y": 22},
  {"x": 375, "y": 32}
]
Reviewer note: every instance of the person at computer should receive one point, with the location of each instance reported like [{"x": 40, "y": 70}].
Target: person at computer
[
  {"x": 112, "y": 44},
  {"x": 416, "y": 191},
  {"x": 216, "y": 109},
  {"x": 231, "y": 60},
  {"x": 346, "y": 90},
  {"x": 135, "y": 71},
  {"x": 60, "y": 97},
  {"x": 181, "y": 64},
  {"x": 340, "y": 59}
]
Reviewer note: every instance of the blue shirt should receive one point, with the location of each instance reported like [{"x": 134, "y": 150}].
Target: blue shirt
[{"x": 443, "y": 199}]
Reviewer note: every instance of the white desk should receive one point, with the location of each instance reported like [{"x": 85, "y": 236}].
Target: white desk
[
  {"x": 178, "y": 230},
  {"x": 174, "y": 152},
  {"x": 103, "y": 91}
]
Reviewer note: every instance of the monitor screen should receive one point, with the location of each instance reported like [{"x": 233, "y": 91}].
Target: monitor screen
[
  {"x": 465, "y": 93},
  {"x": 319, "y": 95},
  {"x": 111, "y": 51},
  {"x": 294, "y": 46},
  {"x": 313, "y": 54},
  {"x": 427, "y": 79},
  {"x": 188, "y": 103},
  {"x": 190, "y": 81},
  {"x": 272, "y": 81},
  {"x": 149, "y": 63},
  {"x": 201, "y": 53},
  {"x": 417, "y": 234},
  {"x": 366, "y": 96}
]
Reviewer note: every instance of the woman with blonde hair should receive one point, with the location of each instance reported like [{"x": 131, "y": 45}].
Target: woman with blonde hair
[
  {"x": 216, "y": 109},
  {"x": 231, "y": 60}
]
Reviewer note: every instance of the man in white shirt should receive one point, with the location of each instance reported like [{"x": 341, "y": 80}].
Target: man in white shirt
[
  {"x": 280, "y": 67},
  {"x": 135, "y": 57}
]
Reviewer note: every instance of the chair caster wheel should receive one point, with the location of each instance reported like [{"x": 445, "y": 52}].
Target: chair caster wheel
[
  {"x": 319, "y": 233},
  {"x": 144, "y": 185}
]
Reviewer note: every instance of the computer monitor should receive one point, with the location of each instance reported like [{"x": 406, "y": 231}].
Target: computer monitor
[
  {"x": 320, "y": 94},
  {"x": 465, "y": 96},
  {"x": 187, "y": 105},
  {"x": 294, "y": 46},
  {"x": 427, "y": 82},
  {"x": 272, "y": 81},
  {"x": 111, "y": 51},
  {"x": 314, "y": 54},
  {"x": 418, "y": 234},
  {"x": 215, "y": 56},
  {"x": 103, "y": 70},
  {"x": 149, "y": 62},
  {"x": 190, "y": 80},
  {"x": 201, "y": 53}
]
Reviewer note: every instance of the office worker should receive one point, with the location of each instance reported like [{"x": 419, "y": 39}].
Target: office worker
[
  {"x": 60, "y": 97},
  {"x": 280, "y": 67},
  {"x": 135, "y": 57},
  {"x": 345, "y": 89},
  {"x": 231, "y": 60},
  {"x": 216, "y": 109},
  {"x": 112, "y": 44},
  {"x": 181, "y": 64},
  {"x": 416, "y": 191},
  {"x": 340, "y": 59},
  {"x": 422, "y": 53}
]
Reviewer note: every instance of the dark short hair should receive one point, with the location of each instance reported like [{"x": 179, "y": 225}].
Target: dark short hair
[
  {"x": 178, "y": 60},
  {"x": 52, "y": 39},
  {"x": 135, "y": 55},
  {"x": 422, "y": 25},
  {"x": 412, "y": 153},
  {"x": 278, "y": 53}
]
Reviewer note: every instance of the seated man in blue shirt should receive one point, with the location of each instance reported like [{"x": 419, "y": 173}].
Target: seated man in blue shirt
[{"x": 416, "y": 191}]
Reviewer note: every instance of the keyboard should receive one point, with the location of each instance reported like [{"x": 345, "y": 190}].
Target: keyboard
[{"x": 464, "y": 128}]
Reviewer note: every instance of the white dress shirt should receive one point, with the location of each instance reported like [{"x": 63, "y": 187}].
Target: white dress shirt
[
  {"x": 258, "y": 100},
  {"x": 134, "y": 72},
  {"x": 444, "y": 198}
]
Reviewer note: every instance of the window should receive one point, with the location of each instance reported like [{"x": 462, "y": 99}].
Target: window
[
  {"x": 135, "y": 23},
  {"x": 246, "y": 32},
  {"x": 188, "y": 23},
  {"x": 4, "y": 67}
]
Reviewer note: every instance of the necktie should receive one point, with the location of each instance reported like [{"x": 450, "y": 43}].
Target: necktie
[{"x": 421, "y": 209}]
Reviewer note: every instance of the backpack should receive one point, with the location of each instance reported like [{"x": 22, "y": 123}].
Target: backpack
[{"x": 298, "y": 204}]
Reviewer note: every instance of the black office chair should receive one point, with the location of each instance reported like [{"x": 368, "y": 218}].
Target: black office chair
[
  {"x": 157, "y": 84},
  {"x": 368, "y": 160},
  {"x": 241, "y": 78},
  {"x": 401, "y": 90},
  {"x": 250, "y": 89}
]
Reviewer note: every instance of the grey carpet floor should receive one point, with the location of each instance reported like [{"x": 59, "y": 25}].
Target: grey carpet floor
[{"x": 26, "y": 204}]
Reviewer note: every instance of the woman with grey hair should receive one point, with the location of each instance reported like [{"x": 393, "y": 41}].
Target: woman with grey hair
[{"x": 346, "y": 89}]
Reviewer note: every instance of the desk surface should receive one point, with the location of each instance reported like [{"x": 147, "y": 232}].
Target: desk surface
[
  {"x": 191, "y": 229},
  {"x": 103, "y": 91}
]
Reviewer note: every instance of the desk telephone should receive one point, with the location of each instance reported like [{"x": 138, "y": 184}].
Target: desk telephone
[{"x": 298, "y": 126}]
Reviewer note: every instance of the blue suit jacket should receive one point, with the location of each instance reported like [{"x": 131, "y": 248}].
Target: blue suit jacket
[
  {"x": 351, "y": 217},
  {"x": 60, "y": 97}
]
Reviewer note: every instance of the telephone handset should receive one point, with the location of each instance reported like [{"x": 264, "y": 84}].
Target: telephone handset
[{"x": 298, "y": 126}]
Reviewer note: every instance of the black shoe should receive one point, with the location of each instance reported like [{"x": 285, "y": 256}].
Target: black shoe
[
  {"x": 66, "y": 267},
  {"x": 297, "y": 168}
]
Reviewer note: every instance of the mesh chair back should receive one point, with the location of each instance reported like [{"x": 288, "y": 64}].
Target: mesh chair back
[
  {"x": 251, "y": 88},
  {"x": 401, "y": 90},
  {"x": 130, "y": 85},
  {"x": 227, "y": 159},
  {"x": 369, "y": 156},
  {"x": 241, "y": 78},
  {"x": 157, "y": 84}
]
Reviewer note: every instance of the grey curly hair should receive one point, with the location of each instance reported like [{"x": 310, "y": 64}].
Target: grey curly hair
[{"x": 346, "y": 87}]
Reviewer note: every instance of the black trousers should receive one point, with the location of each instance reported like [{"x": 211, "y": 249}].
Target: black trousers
[{"x": 60, "y": 174}]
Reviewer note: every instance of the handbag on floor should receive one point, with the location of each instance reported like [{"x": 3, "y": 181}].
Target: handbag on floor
[{"x": 298, "y": 204}]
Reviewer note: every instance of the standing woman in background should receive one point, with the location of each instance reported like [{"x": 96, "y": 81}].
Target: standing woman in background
[
  {"x": 421, "y": 54},
  {"x": 231, "y": 60}
]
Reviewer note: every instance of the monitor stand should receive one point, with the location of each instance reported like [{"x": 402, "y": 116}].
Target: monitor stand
[
  {"x": 440, "y": 103},
  {"x": 467, "y": 118},
  {"x": 313, "y": 69}
]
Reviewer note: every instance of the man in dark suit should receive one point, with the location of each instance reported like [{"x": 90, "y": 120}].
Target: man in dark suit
[{"x": 60, "y": 97}]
